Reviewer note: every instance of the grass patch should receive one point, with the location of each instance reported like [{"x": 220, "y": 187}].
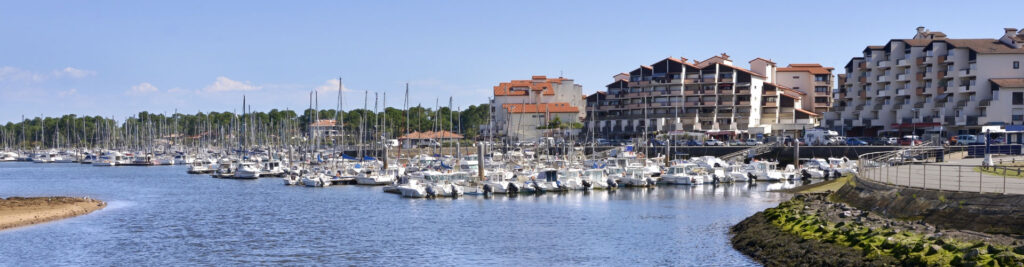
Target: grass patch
[
  {"x": 821, "y": 187},
  {"x": 1010, "y": 171}
]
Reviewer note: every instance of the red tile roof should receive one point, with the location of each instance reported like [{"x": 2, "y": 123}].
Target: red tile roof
[
  {"x": 324, "y": 123},
  {"x": 538, "y": 83},
  {"x": 1008, "y": 82},
  {"x": 812, "y": 68},
  {"x": 559, "y": 107},
  {"x": 807, "y": 112},
  {"x": 432, "y": 135}
]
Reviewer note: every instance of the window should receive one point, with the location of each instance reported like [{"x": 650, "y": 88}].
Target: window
[
  {"x": 995, "y": 94},
  {"x": 796, "y": 77},
  {"x": 1016, "y": 65},
  {"x": 1018, "y": 98},
  {"x": 821, "y": 89},
  {"x": 821, "y": 100}
]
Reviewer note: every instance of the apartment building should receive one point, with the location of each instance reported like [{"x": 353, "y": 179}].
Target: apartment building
[
  {"x": 520, "y": 107},
  {"x": 932, "y": 85},
  {"x": 812, "y": 79},
  {"x": 713, "y": 96}
]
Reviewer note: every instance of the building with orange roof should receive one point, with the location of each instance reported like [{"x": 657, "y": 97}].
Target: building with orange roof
[
  {"x": 712, "y": 95},
  {"x": 932, "y": 86},
  {"x": 520, "y": 107}
]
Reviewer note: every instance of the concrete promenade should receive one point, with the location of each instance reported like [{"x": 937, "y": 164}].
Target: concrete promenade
[{"x": 958, "y": 175}]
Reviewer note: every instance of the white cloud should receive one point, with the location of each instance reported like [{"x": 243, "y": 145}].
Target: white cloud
[
  {"x": 73, "y": 73},
  {"x": 143, "y": 88},
  {"x": 331, "y": 86},
  {"x": 175, "y": 90},
  {"x": 8, "y": 73},
  {"x": 71, "y": 92},
  {"x": 223, "y": 84}
]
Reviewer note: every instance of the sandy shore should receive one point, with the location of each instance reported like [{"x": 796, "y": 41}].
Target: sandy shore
[{"x": 19, "y": 211}]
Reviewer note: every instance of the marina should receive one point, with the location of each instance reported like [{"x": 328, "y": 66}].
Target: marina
[{"x": 163, "y": 215}]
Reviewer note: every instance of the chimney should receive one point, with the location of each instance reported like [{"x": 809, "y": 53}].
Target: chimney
[
  {"x": 1010, "y": 31},
  {"x": 920, "y": 29}
]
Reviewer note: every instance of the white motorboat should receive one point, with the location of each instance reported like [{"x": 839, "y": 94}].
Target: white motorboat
[
  {"x": 378, "y": 177},
  {"x": 248, "y": 170}
]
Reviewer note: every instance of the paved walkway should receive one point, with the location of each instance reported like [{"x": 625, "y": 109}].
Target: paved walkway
[{"x": 958, "y": 175}]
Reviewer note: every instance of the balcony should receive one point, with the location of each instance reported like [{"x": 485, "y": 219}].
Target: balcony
[
  {"x": 883, "y": 64},
  {"x": 950, "y": 120},
  {"x": 901, "y": 91},
  {"x": 940, "y": 90},
  {"x": 725, "y": 103},
  {"x": 966, "y": 72},
  {"x": 742, "y": 102},
  {"x": 964, "y": 89},
  {"x": 771, "y": 104},
  {"x": 742, "y": 91},
  {"x": 942, "y": 75},
  {"x": 863, "y": 79},
  {"x": 920, "y": 76},
  {"x": 901, "y": 77},
  {"x": 725, "y": 80},
  {"x": 881, "y": 93},
  {"x": 691, "y": 80},
  {"x": 902, "y": 62},
  {"x": 725, "y": 91},
  {"x": 919, "y": 105},
  {"x": 941, "y": 59},
  {"x": 919, "y": 91},
  {"x": 920, "y": 61},
  {"x": 882, "y": 78},
  {"x": 985, "y": 103}
]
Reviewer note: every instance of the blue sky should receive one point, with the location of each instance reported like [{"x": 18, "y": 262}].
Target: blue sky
[{"x": 115, "y": 58}]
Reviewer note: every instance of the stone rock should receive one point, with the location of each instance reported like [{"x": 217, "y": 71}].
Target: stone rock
[
  {"x": 1018, "y": 250},
  {"x": 933, "y": 249},
  {"x": 973, "y": 254},
  {"x": 1006, "y": 258}
]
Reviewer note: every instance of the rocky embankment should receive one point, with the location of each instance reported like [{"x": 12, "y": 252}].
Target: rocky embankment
[
  {"x": 19, "y": 211},
  {"x": 813, "y": 230}
]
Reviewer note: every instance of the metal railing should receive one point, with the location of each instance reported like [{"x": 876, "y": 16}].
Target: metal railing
[{"x": 925, "y": 167}]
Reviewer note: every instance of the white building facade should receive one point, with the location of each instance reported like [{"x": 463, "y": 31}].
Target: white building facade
[
  {"x": 520, "y": 107},
  {"x": 932, "y": 85}
]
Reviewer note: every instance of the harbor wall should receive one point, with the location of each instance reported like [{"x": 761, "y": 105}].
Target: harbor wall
[{"x": 983, "y": 212}]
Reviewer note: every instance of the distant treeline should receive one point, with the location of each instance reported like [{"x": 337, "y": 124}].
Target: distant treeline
[{"x": 75, "y": 131}]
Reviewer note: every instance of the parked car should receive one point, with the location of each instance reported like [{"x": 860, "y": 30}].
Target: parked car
[
  {"x": 910, "y": 141},
  {"x": 753, "y": 142},
  {"x": 736, "y": 142},
  {"x": 692, "y": 142},
  {"x": 713, "y": 142},
  {"x": 966, "y": 140},
  {"x": 853, "y": 141}
]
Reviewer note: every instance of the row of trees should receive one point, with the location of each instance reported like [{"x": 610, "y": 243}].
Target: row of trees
[{"x": 72, "y": 130}]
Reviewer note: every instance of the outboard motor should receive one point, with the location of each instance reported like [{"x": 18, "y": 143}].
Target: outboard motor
[
  {"x": 805, "y": 175},
  {"x": 587, "y": 185},
  {"x": 431, "y": 193},
  {"x": 837, "y": 174},
  {"x": 752, "y": 177},
  {"x": 827, "y": 174},
  {"x": 612, "y": 184},
  {"x": 651, "y": 182},
  {"x": 537, "y": 187},
  {"x": 513, "y": 188},
  {"x": 714, "y": 179},
  {"x": 488, "y": 190},
  {"x": 455, "y": 191}
]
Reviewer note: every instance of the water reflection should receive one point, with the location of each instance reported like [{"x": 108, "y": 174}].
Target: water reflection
[{"x": 162, "y": 215}]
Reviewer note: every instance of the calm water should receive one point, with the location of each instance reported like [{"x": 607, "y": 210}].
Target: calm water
[{"x": 161, "y": 215}]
